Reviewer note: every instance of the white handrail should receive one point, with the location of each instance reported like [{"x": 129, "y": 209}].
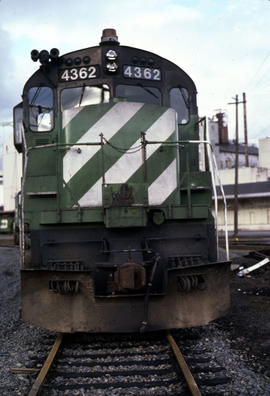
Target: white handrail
[
  {"x": 225, "y": 208},
  {"x": 211, "y": 168},
  {"x": 215, "y": 175}
]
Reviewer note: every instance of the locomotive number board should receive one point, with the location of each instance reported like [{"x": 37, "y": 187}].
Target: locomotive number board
[
  {"x": 145, "y": 73},
  {"x": 79, "y": 73}
]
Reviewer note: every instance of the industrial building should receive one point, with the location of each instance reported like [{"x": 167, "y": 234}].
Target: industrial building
[
  {"x": 224, "y": 149},
  {"x": 253, "y": 180},
  {"x": 12, "y": 173},
  {"x": 1, "y": 191},
  {"x": 10, "y": 184}
]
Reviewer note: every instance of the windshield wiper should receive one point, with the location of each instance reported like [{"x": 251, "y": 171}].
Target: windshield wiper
[
  {"x": 184, "y": 98},
  {"x": 81, "y": 96},
  {"x": 147, "y": 90}
]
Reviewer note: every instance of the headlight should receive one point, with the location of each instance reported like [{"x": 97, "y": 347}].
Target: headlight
[
  {"x": 111, "y": 55},
  {"x": 112, "y": 67}
]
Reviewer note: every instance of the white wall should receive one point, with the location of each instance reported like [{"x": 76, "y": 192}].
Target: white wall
[
  {"x": 1, "y": 189},
  {"x": 227, "y": 160},
  {"x": 253, "y": 213},
  {"x": 252, "y": 217},
  {"x": 264, "y": 154},
  {"x": 245, "y": 175},
  {"x": 12, "y": 173}
]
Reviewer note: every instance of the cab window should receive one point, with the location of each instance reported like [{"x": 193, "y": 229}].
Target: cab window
[
  {"x": 139, "y": 93},
  {"x": 41, "y": 112},
  {"x": 84, "y": 96},
  {"x": 18, "y": 126},
  {"x": 179, "y": 101}
]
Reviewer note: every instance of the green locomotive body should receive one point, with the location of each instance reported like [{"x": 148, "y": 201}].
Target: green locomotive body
[{"x": 116, "y": 228}]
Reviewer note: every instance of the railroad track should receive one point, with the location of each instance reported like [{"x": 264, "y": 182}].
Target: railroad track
[
  {"x": 244, "y": 243},
  {"x": 148, "y": 364}
]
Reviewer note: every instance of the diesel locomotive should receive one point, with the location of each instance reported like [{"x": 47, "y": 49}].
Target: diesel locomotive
[{"x": 116, "y": 228}]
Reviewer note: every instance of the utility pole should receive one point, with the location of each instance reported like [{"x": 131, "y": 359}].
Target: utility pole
[
  {"x": 245, "y": 129},
  {"x": 236, "y": 103},
  {"x": 236, "y": 169}
]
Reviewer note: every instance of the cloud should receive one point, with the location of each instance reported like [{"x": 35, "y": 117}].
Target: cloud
[
  {"x": 221, "y": 45},
  {"x": 7, "y": 75}
]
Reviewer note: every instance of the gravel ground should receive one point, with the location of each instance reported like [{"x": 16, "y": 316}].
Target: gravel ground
[{"x": 240, "y": 341}]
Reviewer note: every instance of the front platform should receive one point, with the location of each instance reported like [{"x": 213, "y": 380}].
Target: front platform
[{"x": 84, "y": 312}]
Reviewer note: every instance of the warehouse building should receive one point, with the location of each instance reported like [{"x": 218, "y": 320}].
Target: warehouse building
[{"x": 253, "y": 181}]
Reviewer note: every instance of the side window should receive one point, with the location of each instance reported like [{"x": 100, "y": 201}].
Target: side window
[
  {"x": 84, "y": 96},
  {"x": 139, "y": 93},
  {"x": 40, "y": 109},
  {"x": 180, "y": 103},
  {"x": 18, "y": 126}
]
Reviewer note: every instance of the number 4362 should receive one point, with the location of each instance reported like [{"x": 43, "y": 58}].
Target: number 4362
[{"x": 79, "y": 73}]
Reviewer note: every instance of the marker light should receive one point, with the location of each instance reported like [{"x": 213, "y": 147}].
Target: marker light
[
  {"x": 77, "y": 61},
  {"x": 68, "y": 61},
  {"x": 86, "y": 59}
]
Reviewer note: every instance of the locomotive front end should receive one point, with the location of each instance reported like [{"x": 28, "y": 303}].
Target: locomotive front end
[{"x": 116, "y": 227}]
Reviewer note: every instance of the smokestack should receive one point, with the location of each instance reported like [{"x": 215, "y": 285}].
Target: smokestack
[{"x": 222, "y": 129}]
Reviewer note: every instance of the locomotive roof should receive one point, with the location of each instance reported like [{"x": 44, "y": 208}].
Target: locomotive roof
[{"x": 125, "y": 54}]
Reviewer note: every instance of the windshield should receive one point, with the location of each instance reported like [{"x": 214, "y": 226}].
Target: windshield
[
  {"x": 139, "y": 93},
  {"x": 179, "y": 101},
  {"x": 40, "y": 109},
  {"x": 84, "y": 96}
]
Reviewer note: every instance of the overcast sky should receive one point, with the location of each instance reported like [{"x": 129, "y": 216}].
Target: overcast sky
[{"x": 224, "y": 45}]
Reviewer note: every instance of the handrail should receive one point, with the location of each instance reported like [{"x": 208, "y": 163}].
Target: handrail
[
  {"x": 212, "y": 167},
  {"x": 215, "y": 174},
  {"x": 225, "y": 209}
]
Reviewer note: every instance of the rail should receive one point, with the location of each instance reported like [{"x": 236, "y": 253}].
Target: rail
[
  {"x": 46, "y": 367},
  {"x": 193, "y": 387},
  {"x": 38, "y": 383}
]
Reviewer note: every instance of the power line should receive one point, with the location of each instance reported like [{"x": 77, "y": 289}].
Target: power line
[
  {"x": 258, "y": 70},
  {"x": 6, "y": 123}
]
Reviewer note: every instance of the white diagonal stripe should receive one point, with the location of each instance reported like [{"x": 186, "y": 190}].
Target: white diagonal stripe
[
  {"x": 128, "y": 164},
  {"x": 163, "y": 186},
  {"x": 69, "y": 114},
  {"x": 109, "y": 124}
]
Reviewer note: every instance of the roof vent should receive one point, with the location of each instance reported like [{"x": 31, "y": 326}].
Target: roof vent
[{"x": 109, "y": 37}]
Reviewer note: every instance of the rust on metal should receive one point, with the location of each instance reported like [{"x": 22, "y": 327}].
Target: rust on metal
[
  {"x": 46, "y": 367},
  {"x": 124, "y": 196},
  {"x": 130, "y": 276},
  {"x": 193, "y": 387},
  {"x": 84, "y": 313}
]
